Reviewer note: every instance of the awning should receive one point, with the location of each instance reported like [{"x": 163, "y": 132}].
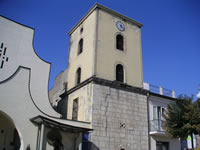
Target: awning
[{"x": 62, "y": 124}]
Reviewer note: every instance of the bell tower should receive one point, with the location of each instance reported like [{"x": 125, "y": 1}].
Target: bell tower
[
  {"x": 107, "y": 45},
  {"x": 105, "y": 80}
]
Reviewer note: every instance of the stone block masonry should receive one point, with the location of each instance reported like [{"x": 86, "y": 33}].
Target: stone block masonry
[{"x": 119, "y": 119}]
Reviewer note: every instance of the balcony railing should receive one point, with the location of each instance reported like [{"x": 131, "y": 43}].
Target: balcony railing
[
  {"x": 159, "y": 90},
  {"x": 157, "y": 125}
]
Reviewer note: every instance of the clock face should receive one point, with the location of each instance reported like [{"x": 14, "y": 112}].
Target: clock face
[{"x": 120, "y": 26}]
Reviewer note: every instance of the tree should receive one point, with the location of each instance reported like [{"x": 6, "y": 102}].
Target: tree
[{"x": 183, "y": 118}]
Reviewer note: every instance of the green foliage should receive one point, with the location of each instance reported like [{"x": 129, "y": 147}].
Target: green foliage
[{"x": 183, "y": 117}]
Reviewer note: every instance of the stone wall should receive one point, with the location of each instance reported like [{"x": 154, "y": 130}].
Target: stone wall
[{"x": 119, "y": 119}]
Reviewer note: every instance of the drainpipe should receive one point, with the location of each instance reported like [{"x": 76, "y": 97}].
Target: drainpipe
[
  {"x": 42, "y": 136},
  {"x": 148, "y": 96}
]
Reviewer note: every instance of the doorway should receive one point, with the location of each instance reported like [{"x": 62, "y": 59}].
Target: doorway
[
  {"x": 9, "y": 137},
  {"x": 162, "y": 145}
]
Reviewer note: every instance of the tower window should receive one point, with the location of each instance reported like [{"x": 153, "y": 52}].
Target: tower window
[
  {"x": 120, "y": 42},
  {"x": 78, "y": 76},
  {"x": 80, "y": 46},
  {"x": 75, "y": 110},
  {"x": 81, "y": 30},
  {"x": 119, "y": 73}
]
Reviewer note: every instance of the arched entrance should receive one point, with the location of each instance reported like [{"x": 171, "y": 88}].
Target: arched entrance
[{"x": 9, "y": 137}]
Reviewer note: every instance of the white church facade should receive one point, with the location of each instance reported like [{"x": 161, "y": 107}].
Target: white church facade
[
  {"x": 101, "y": 97},
  {"x": 27, "y": 120}
]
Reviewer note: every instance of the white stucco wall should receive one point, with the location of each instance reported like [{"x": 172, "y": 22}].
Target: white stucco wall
[
  {"x": 18, "y": 41},
  {"x": 24, "y": 83},
  {"x": 16, "y": 103}
]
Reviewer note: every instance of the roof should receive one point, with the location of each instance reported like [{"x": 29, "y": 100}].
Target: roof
[{"x": 107, "y": 10}]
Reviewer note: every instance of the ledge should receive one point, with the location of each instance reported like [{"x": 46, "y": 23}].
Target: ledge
[
  {"x": 158, "y": 133},
  {"x": 112, "y": 84}
]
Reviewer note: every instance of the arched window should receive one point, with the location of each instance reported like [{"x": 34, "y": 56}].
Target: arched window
[
  {"x": 120, "y": 42},
  {"x": 80, "y": 46},
  {"x": 119, "y": 73},
  {"x": 78, "y": 76}
]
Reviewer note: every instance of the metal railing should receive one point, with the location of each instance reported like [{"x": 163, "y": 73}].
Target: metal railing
[{"x": 159, "y": 90}]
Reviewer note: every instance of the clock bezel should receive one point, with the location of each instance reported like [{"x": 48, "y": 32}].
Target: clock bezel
[{"x": 119, "y": 27}]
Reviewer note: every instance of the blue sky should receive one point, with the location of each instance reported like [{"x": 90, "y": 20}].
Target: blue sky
[{"x": 170, "y": 35}]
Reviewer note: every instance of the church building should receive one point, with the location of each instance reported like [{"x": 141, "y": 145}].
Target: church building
[
  {"x": 104, "y": 85},
  {"x": 100, "y": 101}
]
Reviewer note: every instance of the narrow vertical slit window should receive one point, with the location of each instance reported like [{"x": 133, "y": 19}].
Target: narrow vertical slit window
[
  {"x": 75, "y": 109},
  {"x": 78, "y": 76},
  {"x": 119, "y": 73},
  {"x": 81, "y": 31},
  {"x": 120, "y": 42},
  {"x": 80, "y": 46}
]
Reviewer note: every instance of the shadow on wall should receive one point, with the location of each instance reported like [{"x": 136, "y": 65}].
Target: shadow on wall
[
  {"x": 54, "y": 138},
  {"x": 87, "y": 145},
  {"x": 61, "y": 108}
]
